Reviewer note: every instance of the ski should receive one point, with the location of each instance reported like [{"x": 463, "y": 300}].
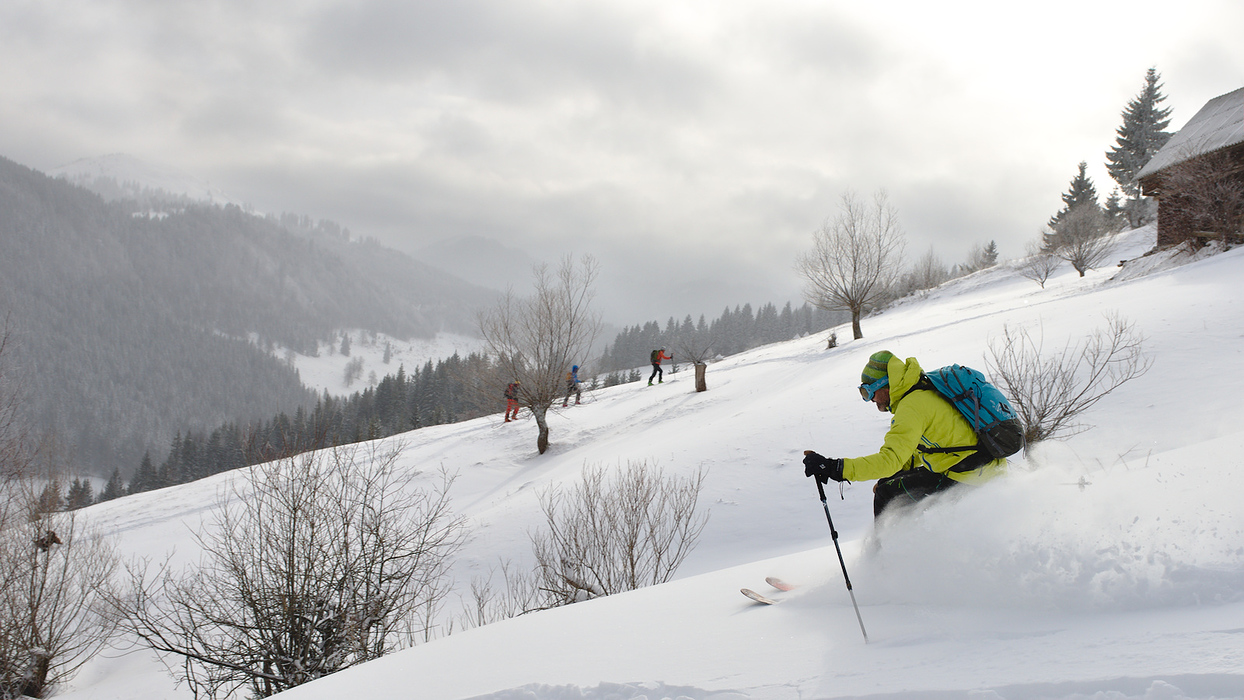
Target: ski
[
  {"x": 779, "y": 583},
  {"x": 757, "y": 597}
]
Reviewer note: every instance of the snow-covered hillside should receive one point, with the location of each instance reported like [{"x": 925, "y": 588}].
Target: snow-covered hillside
[
  {"x": 326, "y": 370},
  {"x": 1108, "y": 566}
]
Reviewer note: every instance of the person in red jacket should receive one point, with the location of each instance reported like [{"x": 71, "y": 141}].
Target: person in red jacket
[
  {"x": 657, "y": 356},
  {"x": 511, "y": 401}
]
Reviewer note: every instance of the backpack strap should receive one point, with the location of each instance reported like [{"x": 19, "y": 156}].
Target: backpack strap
[{"x": 979, "y": 457}]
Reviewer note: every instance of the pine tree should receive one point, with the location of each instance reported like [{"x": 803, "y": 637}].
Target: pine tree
[
  {"x": 1141, "y": 135},
  {"x": 1081, "y": 191},
  {"x": 115, "y": 488},
  {"x": 145, "y": 478},
  {"x": 1114, "y": 209},
  {"x": 80, "y": 494},
  {"x": 990, "y": 257}
]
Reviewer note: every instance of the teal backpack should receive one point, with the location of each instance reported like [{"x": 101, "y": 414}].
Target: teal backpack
[{"x": 999, "y": 432}]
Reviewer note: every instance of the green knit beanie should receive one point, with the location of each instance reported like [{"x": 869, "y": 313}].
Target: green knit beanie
[{"x": 877, "y": 367}]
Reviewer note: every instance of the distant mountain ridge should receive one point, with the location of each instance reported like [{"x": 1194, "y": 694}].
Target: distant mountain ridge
[
  {"x": 121, "y": 176},
  {"x": 133, "y": 327}
]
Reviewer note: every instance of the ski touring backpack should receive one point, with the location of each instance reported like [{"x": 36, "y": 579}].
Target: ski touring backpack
[
  {"x": 656, "y": 356},
  {"x": 999, "y": 432}
]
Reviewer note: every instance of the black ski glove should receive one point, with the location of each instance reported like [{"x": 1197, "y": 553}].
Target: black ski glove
[{"x": 823, "y": 468}]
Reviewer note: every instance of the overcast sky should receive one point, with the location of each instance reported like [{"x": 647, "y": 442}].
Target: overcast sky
[{"x": 692, "y": 147}]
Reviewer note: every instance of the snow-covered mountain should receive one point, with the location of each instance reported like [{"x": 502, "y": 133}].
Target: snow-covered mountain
[
  {"x": 1109, "y": 566},
  {"x": 118, "y": 175}
]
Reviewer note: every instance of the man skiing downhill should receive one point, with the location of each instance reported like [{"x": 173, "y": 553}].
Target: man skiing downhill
[{"x": 921, "y": 418}]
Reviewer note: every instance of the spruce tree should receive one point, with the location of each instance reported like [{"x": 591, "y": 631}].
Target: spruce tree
[
  {"x": 115, "y": 488},
  {"x": 1081, "y": 191},
  {"x": 1114, "y": 209},
  {"x": 80, "y": 494},
  {"x": 1141, "y": 135},
  {"x": 991, "y": 254},
  {"x": 145, "y": 479}
]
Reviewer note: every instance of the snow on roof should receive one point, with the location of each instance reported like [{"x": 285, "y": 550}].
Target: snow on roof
[{"x": 1219, "y": 124}]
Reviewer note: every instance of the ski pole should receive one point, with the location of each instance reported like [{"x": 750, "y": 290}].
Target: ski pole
[{"x": 834, "y": 533}]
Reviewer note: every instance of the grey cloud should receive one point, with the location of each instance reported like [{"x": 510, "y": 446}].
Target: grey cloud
[{"x": 507, "y": 51}]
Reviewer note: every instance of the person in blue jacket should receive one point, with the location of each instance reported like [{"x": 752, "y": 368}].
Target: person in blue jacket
[{"x": 572, "y": 386}]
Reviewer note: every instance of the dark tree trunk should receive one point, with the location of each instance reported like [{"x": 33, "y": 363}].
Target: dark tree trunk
[{"x": 542, "y": 439}]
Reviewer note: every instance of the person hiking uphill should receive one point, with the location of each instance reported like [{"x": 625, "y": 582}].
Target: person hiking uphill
[
  {"x": 572, "y": 387},
  {"x": 922, "y": 419},
  {"x": 657, "y": 356},
  {"x": 511, "y": 401}
]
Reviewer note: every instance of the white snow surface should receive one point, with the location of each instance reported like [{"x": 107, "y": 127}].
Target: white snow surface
[{"x": 1107, "y": 566}]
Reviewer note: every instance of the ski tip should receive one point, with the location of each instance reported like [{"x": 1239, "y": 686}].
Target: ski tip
[
  {"x": 779, "y": 583},
  {"x": 757, "y": 597}
]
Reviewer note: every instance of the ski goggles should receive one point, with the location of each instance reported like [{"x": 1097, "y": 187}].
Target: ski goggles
[{"x": 867, "y": 391}]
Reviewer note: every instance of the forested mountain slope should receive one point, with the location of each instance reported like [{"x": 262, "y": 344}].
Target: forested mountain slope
[{"x": 130, "y": 325}]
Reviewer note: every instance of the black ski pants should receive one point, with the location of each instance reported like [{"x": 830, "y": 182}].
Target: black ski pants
[
  {"x": 656, "y": 369},
  {"x": 907, "y": 487}
]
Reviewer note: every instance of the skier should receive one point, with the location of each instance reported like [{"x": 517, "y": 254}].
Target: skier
[
  {"x": 657, "y": 356},
  {"x": 922, "y": 418},
  {"x": 511, "y": 401},
  {"x": 572, "y": 386}
]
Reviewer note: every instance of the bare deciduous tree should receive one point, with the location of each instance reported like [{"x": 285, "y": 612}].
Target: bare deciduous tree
[
  {"x": 537, "y": 339},
  {"x": 312, "y": 564},
  {"x": 697, "y": 348},
  {"x": 606, "y": 536},
  {"x": 1081, "y": 239},
  {"x": 53, "y": 619},
  {"x": 1039, "y": 264},
  {"x": 52, "y": 569},
  {"x": 928, "y": 272},
  {"x": 1050, "y": 391},
  {"x": 855, "y": 259}
]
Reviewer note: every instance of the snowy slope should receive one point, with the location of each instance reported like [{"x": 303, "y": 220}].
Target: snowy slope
[
  {"x": 326, "y": 370},
  {"x": 1110, "y": 565}
]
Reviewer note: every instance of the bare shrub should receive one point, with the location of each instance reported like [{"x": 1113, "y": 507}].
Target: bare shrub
[
  {"x": 609, "y": 535},
  {"x": 490, "y": 600},
  {"x": 312, "y": 564},
  {"x": 855, "y": 259},
  {"x": 1050, "y": 391},
  {"x": 1039, "y": 263}
]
